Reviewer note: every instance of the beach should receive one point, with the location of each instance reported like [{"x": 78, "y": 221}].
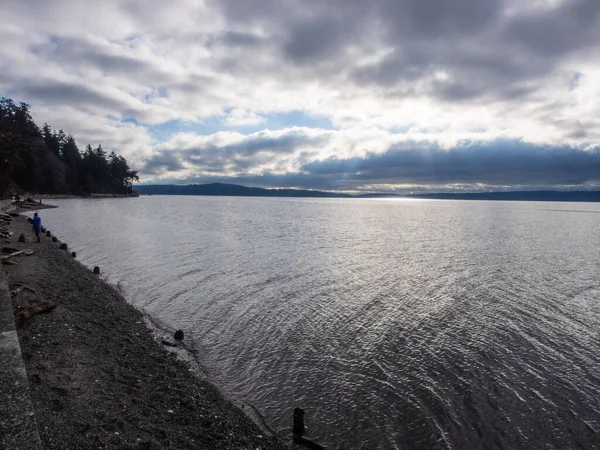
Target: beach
[{"x": 97, "y": 375}]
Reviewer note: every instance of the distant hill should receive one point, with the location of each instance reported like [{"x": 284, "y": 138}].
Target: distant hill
[
  {"x": 221, "y": 189},
  {"x": 230, "y": 190}
]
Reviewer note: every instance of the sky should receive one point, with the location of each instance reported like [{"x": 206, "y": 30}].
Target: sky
[{"x": 341, "y": 95}]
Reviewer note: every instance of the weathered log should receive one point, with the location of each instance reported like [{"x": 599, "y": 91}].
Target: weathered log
[
  {"x": 16, "y": 291},
  {"x": 26, "y": 252},
  {"x": 8, "y": 263},
  {"x": 25, "y": 313}
]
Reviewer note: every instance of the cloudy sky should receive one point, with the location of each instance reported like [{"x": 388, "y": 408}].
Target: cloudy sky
[{"x": 339, "y": 95}]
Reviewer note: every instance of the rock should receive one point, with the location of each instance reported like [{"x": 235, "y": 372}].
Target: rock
[
  {"x": 63, "y": 246},
  {"x": 48, "y": 234},
  {"x": 54, "y": 239},
  {"x": 30, "y": 220},
  {"x": 97, "y": 270},
  {"x": 22, "y": 238},
  {"x": 73, "y": 254},
  {"x": 178, "y": 336}
]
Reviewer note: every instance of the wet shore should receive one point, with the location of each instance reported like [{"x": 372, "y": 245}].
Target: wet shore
[{"x": 97, "y": 376}]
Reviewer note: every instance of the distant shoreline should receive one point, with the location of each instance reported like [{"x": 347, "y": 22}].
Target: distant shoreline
[{"x": 228, "y": 190}]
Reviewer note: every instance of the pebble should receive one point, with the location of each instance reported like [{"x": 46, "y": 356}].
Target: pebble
[{"x": 170, "y": 411}]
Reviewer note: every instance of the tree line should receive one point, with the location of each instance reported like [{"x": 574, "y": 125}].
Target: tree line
[{"x": 42, "y": 160}]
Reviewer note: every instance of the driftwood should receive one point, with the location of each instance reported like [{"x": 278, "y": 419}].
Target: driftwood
[
  {"x": 8, "y": 263},
  {"x": 25, "y": 313},
  {"x": 27, "y": 252},
  {"x": 16, "y": 291}
]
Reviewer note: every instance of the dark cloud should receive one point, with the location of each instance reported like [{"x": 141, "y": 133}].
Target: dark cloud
[
  {"x": 68, "y": 93},
  {"x": 574, "y": 25},
  {"x": 484, "y": 52},
  {"x": 495, "y": 163},
  {"x": 239, "y": 157}
]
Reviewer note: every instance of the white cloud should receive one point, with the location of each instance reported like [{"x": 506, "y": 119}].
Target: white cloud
[{"x": 383, "y": 72}]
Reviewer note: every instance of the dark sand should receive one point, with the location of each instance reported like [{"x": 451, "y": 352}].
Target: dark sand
[{"x": 99, "y": 379}]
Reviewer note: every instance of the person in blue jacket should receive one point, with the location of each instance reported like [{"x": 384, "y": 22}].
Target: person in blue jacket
[{"x": 37, "y": 225}]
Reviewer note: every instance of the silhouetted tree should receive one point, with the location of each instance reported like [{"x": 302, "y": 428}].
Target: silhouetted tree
[{"x": 48, "y": 161}]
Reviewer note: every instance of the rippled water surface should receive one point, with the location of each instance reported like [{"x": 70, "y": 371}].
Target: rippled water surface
[{"x": 393, "y": 323}]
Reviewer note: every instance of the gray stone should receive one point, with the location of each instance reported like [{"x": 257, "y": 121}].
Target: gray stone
[{"x": 18, "y": 427}]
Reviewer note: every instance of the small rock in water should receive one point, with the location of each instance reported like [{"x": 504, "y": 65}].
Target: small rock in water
[
  {"x": 178, "y": 335},
  {"x": 73, "y": 254},
  {"x": 97, "y": 270},
  {"x": 54, "y": 239},
  {"x": 63, "y": 246}
]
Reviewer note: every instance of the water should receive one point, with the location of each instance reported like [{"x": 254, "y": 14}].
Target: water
[{"x": 393, "y": 323}]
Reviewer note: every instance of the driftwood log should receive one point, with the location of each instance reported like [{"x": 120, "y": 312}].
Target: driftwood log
[
  {"x": 27, "y": 252},
  {"x": 16, "y": 291},
  {"x": 25, "y": 313}
]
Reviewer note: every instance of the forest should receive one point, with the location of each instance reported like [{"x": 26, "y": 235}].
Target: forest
[{"x": 45, "y": 161}]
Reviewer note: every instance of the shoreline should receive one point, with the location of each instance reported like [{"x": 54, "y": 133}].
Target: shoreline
[{"x": 97, "y": 375}]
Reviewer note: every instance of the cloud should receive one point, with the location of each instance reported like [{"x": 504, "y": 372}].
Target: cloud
[
  {"x": 275, "y": 159},
  {"x": 381, "y": 73}
]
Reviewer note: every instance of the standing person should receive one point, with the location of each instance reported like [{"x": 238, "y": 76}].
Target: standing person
[{"x": 37, "y": 225}]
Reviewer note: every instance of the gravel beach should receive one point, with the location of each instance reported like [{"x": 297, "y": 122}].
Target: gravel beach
[{"x": 97, "y": 376}]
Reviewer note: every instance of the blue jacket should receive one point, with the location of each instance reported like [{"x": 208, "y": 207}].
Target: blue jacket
[{"x": 37, "y": 222}]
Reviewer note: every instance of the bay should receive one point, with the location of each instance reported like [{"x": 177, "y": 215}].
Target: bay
[{"x": 393, "y": 323}]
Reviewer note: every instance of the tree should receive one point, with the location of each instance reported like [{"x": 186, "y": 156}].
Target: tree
[{"x": 43, "y": 160}]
